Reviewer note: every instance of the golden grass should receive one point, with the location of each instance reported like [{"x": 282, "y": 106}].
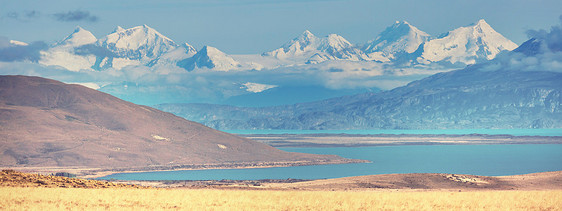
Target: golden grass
[{"x": 20, "y": 198}]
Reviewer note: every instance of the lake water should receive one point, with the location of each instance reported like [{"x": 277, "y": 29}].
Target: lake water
[
  {"x": 515, "y": 132},
  {"x": 487, "y": 160}
]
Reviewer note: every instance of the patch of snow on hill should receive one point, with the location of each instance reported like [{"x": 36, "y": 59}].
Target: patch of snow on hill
[{"x": 256, "y": 87}]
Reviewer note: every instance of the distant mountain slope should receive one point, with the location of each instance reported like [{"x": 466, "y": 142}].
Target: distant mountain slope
[
  {"x": 47, "y": 123},
  {"x": 466, "y": 45},
  {"x": 521, "y": 89},
  {"x": 460, "y": 99}
]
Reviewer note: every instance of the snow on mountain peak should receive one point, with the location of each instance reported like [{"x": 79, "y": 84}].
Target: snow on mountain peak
[
  {"x": 335, "y": 41},
  {"x": 118, "y": 29},
  {"x": 211, "y": 58},
  {"x": 307, "y": 35},
  {"x": 302, "y": 43},
  {"x": 20, "y": 43},
  {"x": 308, "y": 48},
  {"x": 172, "y": 57},
  {"x": 189, "y": 48},
  {"x": 63, "y": 52},
  {"x": 137, "y": 43},
  {"x": 467, "y": 45},
  {"x": 401, "y": 37},
  {"x": 482, "y": 22},
  {"x": 78, "y": 37}
]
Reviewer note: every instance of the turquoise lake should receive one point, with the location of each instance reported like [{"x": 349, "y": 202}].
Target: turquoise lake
[
  {"x": 486, "y": 160},
  {"x": 514, "y": 132}
]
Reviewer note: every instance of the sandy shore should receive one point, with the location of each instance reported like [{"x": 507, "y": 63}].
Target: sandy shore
[
  {"x": 89, "y": 173},
  {"x": 355, "y": 140},
  {"x": 386, "y": 182}
]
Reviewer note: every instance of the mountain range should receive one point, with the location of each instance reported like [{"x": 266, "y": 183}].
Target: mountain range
[
  {"x": 48, "y": 123},
  {"x": 142, "y": 65},
  {"x": 400, "y": 43},
  {"x": 519, "y": 89}
]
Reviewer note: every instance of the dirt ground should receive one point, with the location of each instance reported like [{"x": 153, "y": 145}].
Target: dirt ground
[
  {"x": 536, "y": 181},
  {"x": 456, "y": 182}
]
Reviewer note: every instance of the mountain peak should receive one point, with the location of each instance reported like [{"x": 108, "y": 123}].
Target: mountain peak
[
  {"x": 306, "y": 37},
  {"x": 335, "y": 42},
  {"x": 78, "y": 37},
  {"x": 210, "y": 50},
  {"x": 467, "y": 45},
  {"x": 78, "y": 28},
  {"x": 118, "y": 29},
  {"x": 307, "y": 34},
  {"x": 211, "y": 58},
  {"x": 400, "y": 37},
  {"x": 402, "y": 22},
  {"x": 137, "y": 42},
  {"x": 482, "y": 22}
]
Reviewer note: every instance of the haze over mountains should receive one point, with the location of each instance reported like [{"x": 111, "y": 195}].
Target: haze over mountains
[
  {"x": 141, "y": 65},
  {"x": 48, "y": 123},
  {"x": 519, "y": 89}
]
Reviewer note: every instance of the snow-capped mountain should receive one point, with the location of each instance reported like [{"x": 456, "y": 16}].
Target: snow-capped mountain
[
  {"x": 136, "y": 46},
  {"x": 64, "y": 54},
  {"x": 171, "y": 57},
  {"x": 307, "y": 48},
  {"x": 395, "y": 40},
  {"x": 78, "y": 38},
  {"x": 210, "y": 58},
  {"x": 399, "y": 44},
  {"x": 139, "y": 45},
  {"x": 466, "y": 45}
]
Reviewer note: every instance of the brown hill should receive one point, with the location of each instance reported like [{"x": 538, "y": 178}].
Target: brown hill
[
  {"x": 428, "y": 181},
  {"x": 10, "y": 178},
  {"x": 48, "y": 123}
]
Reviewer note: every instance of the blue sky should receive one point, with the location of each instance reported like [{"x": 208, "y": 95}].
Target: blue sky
[{"x": 255, "y": 26}]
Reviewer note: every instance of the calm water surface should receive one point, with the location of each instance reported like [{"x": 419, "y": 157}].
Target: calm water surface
[
  {"x": 487, "y": 160},
  {"x": 515, "y": 132}
]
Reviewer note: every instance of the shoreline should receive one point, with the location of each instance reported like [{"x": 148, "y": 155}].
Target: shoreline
[
  {"x": 550, "y": 180},
  {"x": 383, "y": 182},
  {"x": 308, "y": 140},
  {"x": 361, "y": 140},
  {"x": 407, "y": 182},
  {"x": 93, "y": 173}
]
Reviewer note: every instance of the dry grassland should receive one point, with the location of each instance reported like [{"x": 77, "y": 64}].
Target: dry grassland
[{"x": 22, "y": 198}]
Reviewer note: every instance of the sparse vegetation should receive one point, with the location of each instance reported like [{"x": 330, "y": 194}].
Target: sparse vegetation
[
  {"x": 20, "y": 198},
  {"x": 10, "y": 178},
  {"x": 23, "y": 191}
]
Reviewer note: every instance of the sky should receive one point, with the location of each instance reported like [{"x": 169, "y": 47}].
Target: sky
[{"x": 256, "y": 26}]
